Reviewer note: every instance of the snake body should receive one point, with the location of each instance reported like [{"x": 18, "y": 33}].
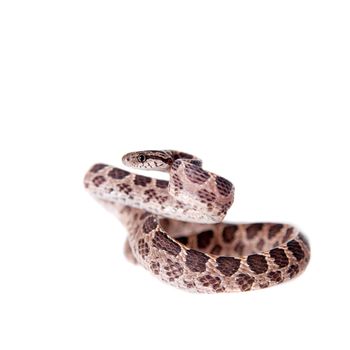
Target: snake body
[{"x": 175, "y": 227}]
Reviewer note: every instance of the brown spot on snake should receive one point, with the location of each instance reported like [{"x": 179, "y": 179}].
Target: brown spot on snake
[
  {"x": 224, "y": 186},
  {"x": 252, "y": 230},
  {"x": 162, "y": 241},
  {"x": 274, "y": 229},
  {"x": 155, "y": 267},
  {"x": 296, "y": 249},
  {"x": 143, "y": 248},
  {"x": 141, "y": 180},
  {"x": 177, "y": 182},
  {"x": 212, "y": 281},
  {"x": 97, "y": 167},
  {"x": 196, "y": 174},
  {"x": 228, "y": 234},
  {"x": 173, "y": 270},
  {"x": 149, "y": 194},
  {"x": 204, "y": 239},
  {"x": 257, "y": 263},
  {"x": 279, "y": 257},
  {"x": 125, "y": 188},
  {"x": 293, "y": 270},
  {"x": 228, "y": 265},
  {"x": 162, "y": 183},
  {"x": 196, "y": 260},
  {"x": 176, "y": 165},
  {"x": 98, "y": 180},
  {"x": 245, "y": 282},
  {"x": 206, "y": 196},
  {"x": 183, "y": 240},
  {"x": 275, "y": 276},
  {"x": 150, "y": 224},
  {"x": 118, "y": 174},
  {"x": 260, "y": 244}
]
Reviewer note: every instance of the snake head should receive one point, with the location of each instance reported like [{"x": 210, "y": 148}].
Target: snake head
[{"x": 149, "y": 160}]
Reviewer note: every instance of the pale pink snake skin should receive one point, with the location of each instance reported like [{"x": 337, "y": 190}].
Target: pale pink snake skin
[{"x": 175, "y": 229}]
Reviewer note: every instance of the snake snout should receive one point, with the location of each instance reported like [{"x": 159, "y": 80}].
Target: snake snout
[{"x": 126, "y": 159}]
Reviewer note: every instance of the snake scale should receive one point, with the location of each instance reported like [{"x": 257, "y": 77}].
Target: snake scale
[{"x": 175, "y": 227}]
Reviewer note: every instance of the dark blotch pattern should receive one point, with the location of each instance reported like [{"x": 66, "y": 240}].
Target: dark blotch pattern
[
  {"x": 183, "y": 240},
  {"x": 264, "y": 284},
  {"x": 118, "y": 174},
  {"x": 173, "y": 270},
  {"x": 196, "y": 260},
  {"x": 189, "y": 284},
  {"x": 177, "y": 182},
  {"x": 293, "y": 270},
  {"x": 196, "y": 162},
  {"x": 124, "y": 188},
  {"x": 162, "y": 183},
  {"x": 97, "y": 167},
  {"x": 204, "y": 239},
  {"x": 224, "y": 186},
  {"x": 245, "y": 282},
  {"x": 257, "y": 263},
  {"x": 150, "y": 224},
  {"x": 179, "y": 205},
  {"x": 211, "y": 281},
  {"x": 151, "y": 194},
  {"x": 228, "y": 234},
  {"x": 274, "y": 229},
  {"x": 155, "y": 267},
  {"x": 162, "y": 241},
  {"x": 296, "y": 249},
  {"x": 279, "y": 257},
  {"x": 275, "y": 276},
  {"x": 206, "y": 196},
  {"x": 143, "y": 248},
  {"x": 253, "y": 229},
  {"x": 141, "y": 180},
  {"x": 227, "y": 265},
  {"x": 183, "y": 155},
  {"x": 176, "y": 165},
  {"x": 224, "y": 208},
  {"x": 260, "y": 244},
  {"x": 196, "y": 174},
  {"x": 98, "y": 180}
]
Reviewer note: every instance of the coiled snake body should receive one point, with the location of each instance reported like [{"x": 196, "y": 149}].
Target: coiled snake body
[{"x": 175, "y": 229}]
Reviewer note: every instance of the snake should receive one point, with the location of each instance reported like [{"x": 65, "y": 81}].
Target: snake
[{"x": 176, "y": 231}]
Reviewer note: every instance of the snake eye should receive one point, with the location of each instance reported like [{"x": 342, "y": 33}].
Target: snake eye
[{"x": 141, "y": 158}]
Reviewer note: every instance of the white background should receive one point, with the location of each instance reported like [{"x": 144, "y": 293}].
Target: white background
[{"x": 258, "y": 89}]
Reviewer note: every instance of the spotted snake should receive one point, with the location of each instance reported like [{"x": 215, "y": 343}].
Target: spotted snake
[{"x": 175, "y": 227}]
